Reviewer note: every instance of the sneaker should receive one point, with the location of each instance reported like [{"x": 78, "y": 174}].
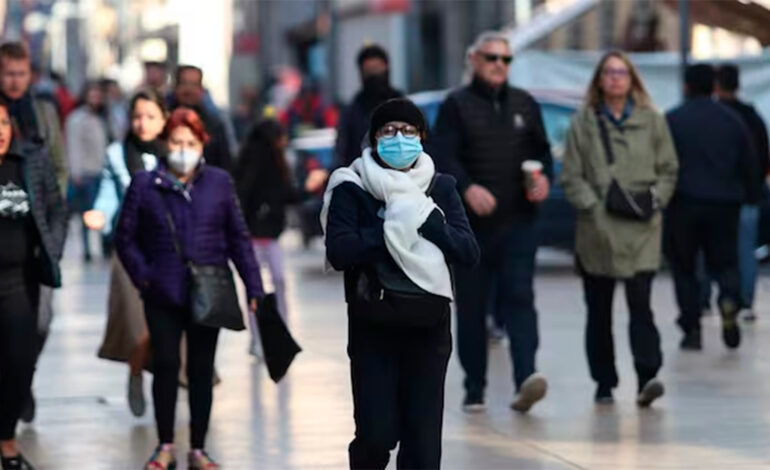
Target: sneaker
[
  {"x": 651, "y": 391},
  {"x": 691, "y": 341},
  {"x": 532, "y": 391},
  {"x": 15, "y": 463},
  {"x": 136, "y": 402},
  {"x": 28, "y": 412},
  {"x": 604, "y": 396},
  {"x": 200, "y": 460},
  {"x": 474, "y": 403},
  {"x": 731, "y": 332}
]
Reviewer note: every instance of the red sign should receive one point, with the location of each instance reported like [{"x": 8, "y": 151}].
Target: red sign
[{"x": 390, "y": 6}]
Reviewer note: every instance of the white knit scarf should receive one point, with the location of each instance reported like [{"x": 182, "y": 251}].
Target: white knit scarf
[{"x": 407, "y": 207}]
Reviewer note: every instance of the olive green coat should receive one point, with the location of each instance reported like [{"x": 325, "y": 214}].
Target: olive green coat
[{"x": 644, "y": 157}]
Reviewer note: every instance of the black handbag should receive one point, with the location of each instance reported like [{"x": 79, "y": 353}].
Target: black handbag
[
  {"x": 278, "y": 346},
  {"x": 213, "y": 299},
  {"x": 386, "y": 307},
  {"x": 635, "y": 205}
]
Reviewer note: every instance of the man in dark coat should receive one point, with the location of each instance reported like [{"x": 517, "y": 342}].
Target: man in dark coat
[
  {"x": 373, "y": 65},
  {"x": 727, "y": 85},
  {"x": 483, "y": 134},
  {"x": 718, "y": 170},
  {"x": 189, "y": 92}
]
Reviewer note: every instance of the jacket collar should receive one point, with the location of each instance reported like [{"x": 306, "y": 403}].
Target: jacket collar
[
  {"x": 628, "y": 110},
  {"x": 22, "y": 148},
  {"x": 166, "y": 181},
  {"x": 483, "y": 89}
]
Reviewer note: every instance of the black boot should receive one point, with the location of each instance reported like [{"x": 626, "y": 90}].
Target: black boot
[
  {"x": 731, "y": 332},
  {"x": 691, "y": 341}
]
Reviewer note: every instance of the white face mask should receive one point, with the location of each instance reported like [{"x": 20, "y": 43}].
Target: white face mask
[{"x": 184, "y": 161}]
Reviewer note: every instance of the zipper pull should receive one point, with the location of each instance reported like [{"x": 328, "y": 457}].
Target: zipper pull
[{"x": 382, "y": 294}]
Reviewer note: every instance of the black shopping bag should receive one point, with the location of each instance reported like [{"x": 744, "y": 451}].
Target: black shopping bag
[{"x": 278, "y": 346}]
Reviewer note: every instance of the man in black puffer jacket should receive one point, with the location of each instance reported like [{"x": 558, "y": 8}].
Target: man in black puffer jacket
[{"x": 484, "y": 133}]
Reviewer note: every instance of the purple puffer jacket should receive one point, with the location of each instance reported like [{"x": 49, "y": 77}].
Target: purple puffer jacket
[{"x": 208, "y": 221}]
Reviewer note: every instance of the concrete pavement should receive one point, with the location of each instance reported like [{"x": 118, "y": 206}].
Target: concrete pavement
[{"x": 715, "y": 414}]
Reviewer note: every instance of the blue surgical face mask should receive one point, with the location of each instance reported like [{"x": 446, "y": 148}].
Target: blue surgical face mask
[{"x": 399, "y": 152}]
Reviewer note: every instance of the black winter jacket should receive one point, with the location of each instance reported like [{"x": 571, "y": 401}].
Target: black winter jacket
[
  {"x": 717, "y": 159},
  {"x": 758, "y": 131},
  {"x": 482, "y": 137},
  {"x": 48, "y": 210},
  {"x": 264, "y": 195},
  {"x": 355, "y": 239}
]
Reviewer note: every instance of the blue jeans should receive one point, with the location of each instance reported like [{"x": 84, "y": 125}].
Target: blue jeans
[
  {"x": 507, "y": 255},
  {"x": 748, "y": 236}
]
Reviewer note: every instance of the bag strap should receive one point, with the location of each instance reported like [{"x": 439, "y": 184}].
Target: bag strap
[
  {"x": 605, "y": 136},
  {"x": 431, "y": 185},
  {"x": 174, "y": 233}
]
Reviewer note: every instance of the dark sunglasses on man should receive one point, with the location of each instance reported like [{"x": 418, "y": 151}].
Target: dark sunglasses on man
[{"x": 506, "y": 59}]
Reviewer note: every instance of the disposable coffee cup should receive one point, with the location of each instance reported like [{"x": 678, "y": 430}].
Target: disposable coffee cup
[{"x": 532, "y": 170}]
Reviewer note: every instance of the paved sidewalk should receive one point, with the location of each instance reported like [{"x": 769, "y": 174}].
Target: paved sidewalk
[{"x": 716, "y": 414}]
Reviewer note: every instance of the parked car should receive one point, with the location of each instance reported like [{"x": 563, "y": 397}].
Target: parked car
[{"x": 556, "y": 226}]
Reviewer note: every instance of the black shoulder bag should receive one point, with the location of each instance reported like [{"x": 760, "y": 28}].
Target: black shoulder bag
[
  {"x": 621, "y": 202},
  {"x": 213, "y": 299}
]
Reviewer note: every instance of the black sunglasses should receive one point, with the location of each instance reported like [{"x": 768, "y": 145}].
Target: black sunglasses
[{"x": 507, "y": 59}]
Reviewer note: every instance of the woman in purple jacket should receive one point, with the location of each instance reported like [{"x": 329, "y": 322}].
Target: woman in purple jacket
[{"x": 204, "y": 207}]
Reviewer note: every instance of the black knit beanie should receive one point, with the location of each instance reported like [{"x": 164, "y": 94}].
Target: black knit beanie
[{"x": 397, "y": 109}]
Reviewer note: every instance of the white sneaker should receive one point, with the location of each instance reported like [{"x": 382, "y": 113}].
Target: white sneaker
[{"x": 532, "y": 391}]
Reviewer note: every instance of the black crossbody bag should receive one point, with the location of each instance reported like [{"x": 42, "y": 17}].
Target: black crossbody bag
[
  {"x": 213, "y": 299},
  {"x": 634, "y": 205}
]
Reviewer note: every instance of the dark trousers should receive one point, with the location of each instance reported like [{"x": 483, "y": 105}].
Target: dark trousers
[
  {"x": 507, "y": 256},
  {"x": 645, "y": 340},
  {"x": 692, "y": 227},
  {"x": 166, "y": 327},
  {"x": 18, "y": 352},
  {"x": 83, "y": 196},
  {"x": 398, "y": 376}
]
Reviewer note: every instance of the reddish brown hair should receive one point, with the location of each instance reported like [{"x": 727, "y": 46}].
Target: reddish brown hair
[{"x": 186, "y": 117}]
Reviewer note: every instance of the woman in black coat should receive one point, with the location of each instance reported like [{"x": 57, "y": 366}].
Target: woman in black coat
[
  {"x": 33, "y": 223},
  {"x": 395, "y": 227},
  {"x": 265, "y": 188}
]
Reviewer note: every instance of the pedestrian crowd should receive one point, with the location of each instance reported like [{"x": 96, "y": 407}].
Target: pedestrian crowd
[{"x": 422, "y": 219}]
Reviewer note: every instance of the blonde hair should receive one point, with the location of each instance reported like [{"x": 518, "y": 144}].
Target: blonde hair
[{"x": 595, "y": 96}]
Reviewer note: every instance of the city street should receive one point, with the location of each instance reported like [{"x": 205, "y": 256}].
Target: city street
[{"x": 715, "y": 415}]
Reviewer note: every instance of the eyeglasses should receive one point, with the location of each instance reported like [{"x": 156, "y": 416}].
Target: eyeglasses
[
  {"x": 507, "y": 59},
  {"x": 616, "y": 73},
  {"x": 391, "y": 131}
]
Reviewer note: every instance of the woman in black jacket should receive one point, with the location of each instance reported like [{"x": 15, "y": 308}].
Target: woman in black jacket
[
  {"x": 265, "y": 188},
  {"x": 33, "y": 223},
  {"x": 395, "y": 227}
]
